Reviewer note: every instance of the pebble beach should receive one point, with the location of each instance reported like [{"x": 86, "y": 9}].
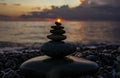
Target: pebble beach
[{"x": 106, "y": 56}]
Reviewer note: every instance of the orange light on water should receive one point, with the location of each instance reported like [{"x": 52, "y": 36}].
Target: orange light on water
[{"x": 58, "y": 20}]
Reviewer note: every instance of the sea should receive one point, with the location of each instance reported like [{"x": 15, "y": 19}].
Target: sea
[{"x": 19, "y": 34}]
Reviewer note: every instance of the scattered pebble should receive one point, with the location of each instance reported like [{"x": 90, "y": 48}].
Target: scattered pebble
[
  {"x": 106, "y": 56},
  {"x": 10, "y": 63}
]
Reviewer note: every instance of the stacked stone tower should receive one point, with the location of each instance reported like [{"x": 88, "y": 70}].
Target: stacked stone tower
[
  {"x": 58, "y": 63},
  {"x": 57, "y": 48},
  {"x": 57, "y": 32}
]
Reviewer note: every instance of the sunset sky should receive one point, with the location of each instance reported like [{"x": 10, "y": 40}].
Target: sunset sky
[
  {"x": 66, "y": 9},
  {"x": 18, "y": 7}
]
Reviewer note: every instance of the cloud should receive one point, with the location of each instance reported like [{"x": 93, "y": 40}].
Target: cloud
[
  {"x": 16, "y": 4},
  {"x": 102, "y": 2},
  {"x": 100, "y": 12},
  {"x": 3, "y": 4},
  {"x": 36, "y": 8},
  {"x": 8, "y": 4},
  {"x": 4, "y": 17}
]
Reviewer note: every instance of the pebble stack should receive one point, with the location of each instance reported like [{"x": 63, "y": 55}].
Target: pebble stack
[
  {"x": 57, "y": 32},
  {"x": 56, "y": 47},
  {"x": 58, "y": 59}
]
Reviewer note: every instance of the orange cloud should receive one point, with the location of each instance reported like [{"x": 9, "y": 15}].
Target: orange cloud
[
  {"x": 6, "y": 4},
  {"x": 16, "y": 4},
  {"x": 36, "y": 8}
]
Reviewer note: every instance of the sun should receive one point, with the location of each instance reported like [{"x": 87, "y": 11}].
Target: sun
[{"x": 58, "y": 20}]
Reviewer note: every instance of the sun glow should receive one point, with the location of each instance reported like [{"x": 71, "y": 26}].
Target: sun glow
[{"x": 58, "y": 20}]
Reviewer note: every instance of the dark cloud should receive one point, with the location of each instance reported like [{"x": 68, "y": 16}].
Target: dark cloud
[
  {"x": 102, "y": 2},
  {"x": 4, "y": 17},
  {"x": 101, "y": 12}
]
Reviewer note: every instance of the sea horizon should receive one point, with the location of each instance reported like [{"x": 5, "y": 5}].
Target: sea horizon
[
  {"x": 17, "y": 35},
  {"x": 66, "y": 24}
]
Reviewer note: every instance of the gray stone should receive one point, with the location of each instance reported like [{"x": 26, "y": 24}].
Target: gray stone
[
  {"x": 57, "y": 27},
  {"x": 118, "y": 58},
  {"x": 118, "y": 75},
  {"x": 91, "y": 57},
  {"x": 56, "y": 37},
  {"x": 58, "y": 24},
  {"x": 57, "y": 31},
  {"x": 58, "y": 49},
  {"x": 47, "y": 67}
]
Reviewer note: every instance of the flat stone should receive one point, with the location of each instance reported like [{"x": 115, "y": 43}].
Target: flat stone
[
  {"x": 57, "y": 31},
  {"x": 58, "y": 24},
  {"x": 56, "y": 37},
  {"x": 57, "y": 27},
  {"x": 47, "y": 67}
]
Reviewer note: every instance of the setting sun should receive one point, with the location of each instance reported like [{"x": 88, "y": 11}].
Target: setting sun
[{"x": 58, "y": 20}]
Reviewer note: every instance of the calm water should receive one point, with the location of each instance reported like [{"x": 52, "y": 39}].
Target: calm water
[{"x": 84, "y": 32}]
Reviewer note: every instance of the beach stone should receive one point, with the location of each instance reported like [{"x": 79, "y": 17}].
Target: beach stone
[
  {"x": 58, "y": 49},
  {"x": 112, "y": 46},
  {"x": 47, "y": 67},
  {"x": 1, "y": 65},
  {"x": 118, "y": 63},
  {"x": 57, "y": 31},
  {"x": 58, "y": 24},
  {"x": 91, "y": 57},
  {"x": 118, "y": 58},
  {"x": 56, "y": 37},
  {"x": 57, "y": 27},
  {"x": 118, "y": 74}
]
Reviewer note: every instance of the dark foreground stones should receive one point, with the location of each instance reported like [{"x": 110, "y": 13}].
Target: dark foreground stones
[
  {"x": 47, "y": 67},
  {"x": 10, "y": 63},
  {"x": 107, "y": 59}
]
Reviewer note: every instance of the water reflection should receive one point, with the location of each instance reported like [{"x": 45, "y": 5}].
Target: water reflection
[
  {"x": 97, "y": 32},
  {"x": 75, "y": 31}
]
